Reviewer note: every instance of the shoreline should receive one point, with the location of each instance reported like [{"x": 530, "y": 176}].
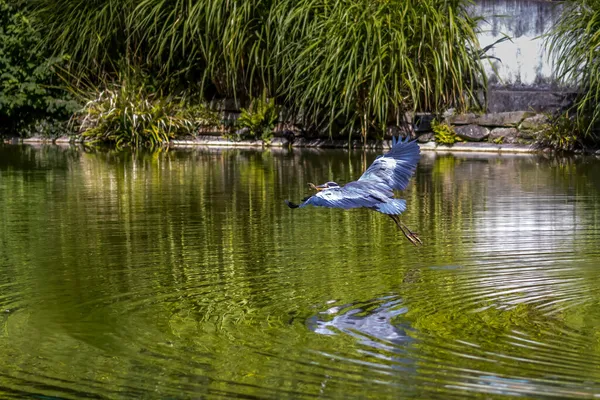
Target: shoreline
[{"x": 281, "y": 142}]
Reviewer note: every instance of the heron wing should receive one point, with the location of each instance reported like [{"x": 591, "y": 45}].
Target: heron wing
[
  {"x": 353, "y": 195},
  {"x": 395, "y": 168}
]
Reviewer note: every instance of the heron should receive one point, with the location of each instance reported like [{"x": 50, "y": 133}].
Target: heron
[{"x": 375, "y": 188}]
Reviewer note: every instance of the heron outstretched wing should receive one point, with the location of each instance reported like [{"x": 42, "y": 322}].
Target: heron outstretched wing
[
  {"x": 395, "y": 168},
  {"x": 352, "y": 195}
]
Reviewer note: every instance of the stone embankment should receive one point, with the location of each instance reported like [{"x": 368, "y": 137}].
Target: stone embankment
[
  {"x": 511, "y": 132},
  {"x": 283, "y": 142},
  {"x": 513, "y": 127}
]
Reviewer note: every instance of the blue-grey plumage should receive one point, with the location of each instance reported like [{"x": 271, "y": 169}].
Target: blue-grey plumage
[{"x": 375, "y": 188}]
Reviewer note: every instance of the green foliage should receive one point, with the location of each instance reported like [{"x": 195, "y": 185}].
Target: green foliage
[
  {"x": 95, "y": 33},
  {"x": 574, "y": 44},
  {"x": 223, "y": 43},
  {"x": 444, "y": 133},
  {"x": 562, "y": 133},
  {"x": 131, "y": 114},
  {"x": 349, "y": 62},
  {"x": 203, "y": 43},
  {"x": 28, "y": 92},
  {"x": 369, "y": 61},
  {"x": 260, "y": 118}
]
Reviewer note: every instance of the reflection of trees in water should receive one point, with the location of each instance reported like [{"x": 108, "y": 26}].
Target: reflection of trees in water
[
  {"x": 35, "y": 157},
  {"x": 184, "y": 253}
]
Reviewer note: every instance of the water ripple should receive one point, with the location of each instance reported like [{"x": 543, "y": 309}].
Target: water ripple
[{"x": 183, "y": 275}]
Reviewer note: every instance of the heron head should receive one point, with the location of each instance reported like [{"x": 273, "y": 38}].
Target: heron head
[
  {"x": 324, "y": 186},
  {"x": 327, "y": 185}
]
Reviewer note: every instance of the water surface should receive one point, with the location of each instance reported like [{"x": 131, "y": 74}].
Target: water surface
[{"x": 184, "y": 275}]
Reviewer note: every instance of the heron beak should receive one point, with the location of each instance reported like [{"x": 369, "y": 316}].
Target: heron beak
[{"x": 317, "y": 188}]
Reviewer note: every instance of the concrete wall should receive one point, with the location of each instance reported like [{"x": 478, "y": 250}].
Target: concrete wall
[
  {"x": 523, "y": 79},
  {"x": 524, "y": 58}
]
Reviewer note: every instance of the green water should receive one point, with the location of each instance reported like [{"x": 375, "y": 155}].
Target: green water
[{"x": 184, "y": 275}]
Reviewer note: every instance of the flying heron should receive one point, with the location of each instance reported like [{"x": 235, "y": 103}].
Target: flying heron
[{"x": 375, "y": 188}]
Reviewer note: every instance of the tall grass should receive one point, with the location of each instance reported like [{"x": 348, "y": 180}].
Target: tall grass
[
  {"x": 364, "y": 60},
  {"x": 214, "y": 38},
  {"x": 95, "y": 33},
  {"x": 202, "y": 42},
  {"x": 361, "y": 63},
  {"x": 127, "y": 113},
  {"x": 574, "y": 44}
]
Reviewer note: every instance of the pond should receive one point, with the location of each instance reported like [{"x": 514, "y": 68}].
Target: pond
[{"x": 183, "y": 274}]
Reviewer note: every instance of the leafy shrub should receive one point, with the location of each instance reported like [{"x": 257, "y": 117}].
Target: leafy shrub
[
  {"x": 28, "y": 83},
  {"x": 260, "y": 118},
  {"x": 562, "y": 133},
  {"x": 444, "y": 134},
  {"x": 130, "y": 114}
]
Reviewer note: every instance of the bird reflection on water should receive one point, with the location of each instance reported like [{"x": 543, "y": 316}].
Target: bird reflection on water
[{"x": 372, "y": 327}]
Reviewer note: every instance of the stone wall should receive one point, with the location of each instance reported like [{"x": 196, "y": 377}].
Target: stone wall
[
  {"x": 511, "y": 127},
  {"x": 514, "y": 127},
  {"x": 524, "y": 58},
  {"x": 508, "y": 127}
]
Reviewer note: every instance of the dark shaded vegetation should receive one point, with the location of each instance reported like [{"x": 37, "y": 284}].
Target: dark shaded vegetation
[
  {"x": 565, "y": 132},
  {"x": 30, "y": 99}
]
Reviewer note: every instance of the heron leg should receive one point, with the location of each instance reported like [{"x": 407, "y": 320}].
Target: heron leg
[{"x": 410, "y": 235}]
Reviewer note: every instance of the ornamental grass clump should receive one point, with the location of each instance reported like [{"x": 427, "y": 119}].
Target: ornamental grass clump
[
  {"x": 574, "y": 45},
  {"x": 211, "y": 45},
  {"x": 367, "y": 62},
  {"x": 131, "y": 116}
]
